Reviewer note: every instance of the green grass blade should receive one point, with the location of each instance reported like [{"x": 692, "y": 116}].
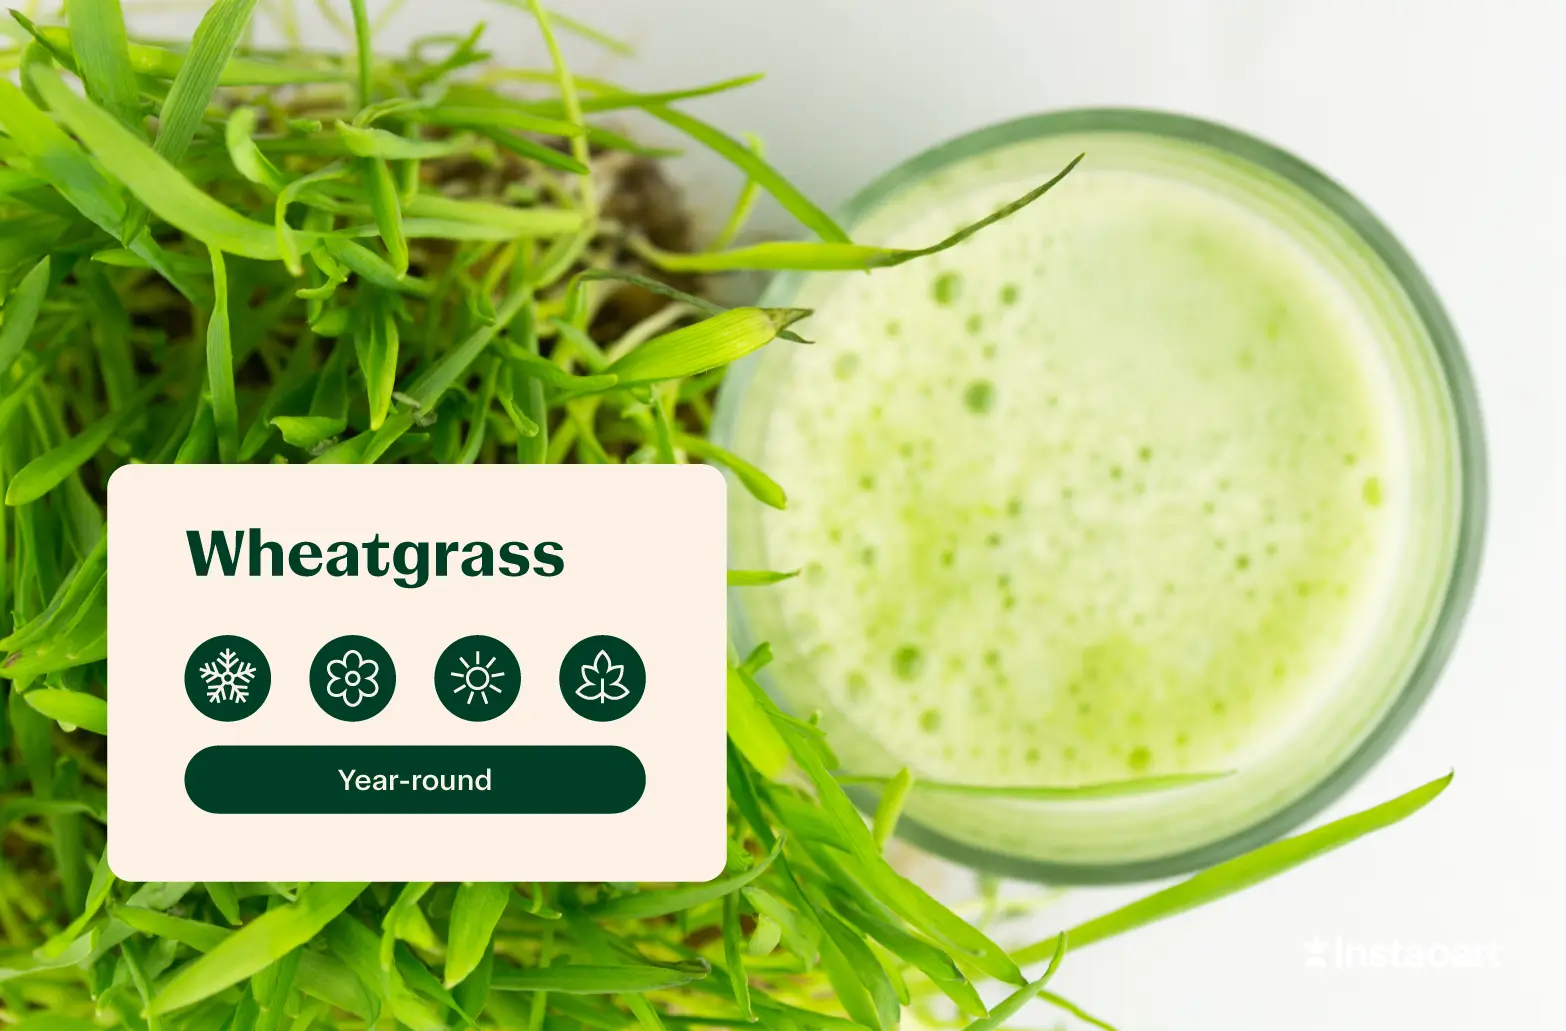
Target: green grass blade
[
  {"x": 328, "y": 979},
  {"x": 308, "y": 431},
  {"x": 12, "y": 401},
  {"x": 496, "y": 116},
  {"x": 708, "y": 344},
  {"x": 274, "y": 990},
  {"x": 505, "y": 394},
  {"x": 287, "y": 243},
  {"x": 58, "y": 159},
  {"x": 418, "y": 978},
  {"x": 86, "y": 644},
  {"x": 743, "y": 204},
  {"x": 101, "y": 53},
  {"x": 359, "y": 949},
  {"x": 388, "y": 146},
  {"x": 372, "y": 267},
  {"x": 67, "y": 606},
  {"x": 622, "y": 100},
  {"x": 863, "y": 859},
  {"x": 757, "y": 483},
  {"x": 852, "y": 994},
  {"x": 1046, "y": 792},
  {"x": 386, "y": 208},
  {"x": 756, "y": 169},
  {"x": 645, "y": 905},
  {"x": 936, "y": 965},
  {"x": 831, "y": 256},
  {"x": 70, "y": 707},
  {"x": 512, "y": 222},
  {"x": 239, "y": 137},
  {"x": 800, "y": 936},
  {"x": 607, "y": 139},
  {"x": 471, "y": 995},
  {"x": 474, "y": 915},
  {"x": 572, "y": 108},
  {"x": 733, "y": 955},
  {"x": 364, "y": 57},
  {"x": 534, "y": 151},
  {"x": 1076, "y": 1011},
  {"x": 202, "y": 937},
  {"x": 51, "y": 468},
  {"x": 428, "y": 387},
  {"x": 258, "y": 944},
  {"x": 97, "y": 895},
  {"x": 653, "y": 286},
  {"x": 375, "y": 341},
  {"x": 758, "y": 577},
  {"x": 110, "y": 331},
  {"x": 1242, "y": 872},
  {"x": 20, "y": 314},
  {"x": 400, "y": 920},
  {"x": 1009, "y": 1006},
  {"x": 162, "y": 63},
  {"x": 587, "y": 32},
  {"x": 751, "y": 730},
  {"x": 555, "y": 376},
  {"x": 153, "y": 180},
  {"x": 865, "y": 967},
  {"x": 890, "y": 808},
  {"x": 589, "y": 979},
  {"x": 200, "y": 443},
  {"x": 185, "y": 105},
  {"x": 220, "y": 365},
  {"x": 777, "y": 256},
  {"x": 226, "y": 899}
]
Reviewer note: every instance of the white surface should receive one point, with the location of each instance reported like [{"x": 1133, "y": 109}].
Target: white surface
[{"x": 1445, "y": 116}]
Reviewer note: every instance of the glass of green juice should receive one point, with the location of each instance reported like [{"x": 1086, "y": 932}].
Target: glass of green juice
[{"x": 1178, "y": 471}]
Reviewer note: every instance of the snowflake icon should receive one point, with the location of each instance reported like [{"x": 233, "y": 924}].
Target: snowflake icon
[
  {"x": 228, "y": 677},
  {"x": 601, "y": 681}
]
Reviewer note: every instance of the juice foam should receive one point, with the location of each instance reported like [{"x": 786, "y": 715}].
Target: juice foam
[{"x": 1120, "y": 487}]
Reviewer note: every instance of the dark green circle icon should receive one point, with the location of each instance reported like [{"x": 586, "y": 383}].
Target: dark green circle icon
[
  {"x": 477, "y": 678},
  {"x": 227, "y": 677},
  {"x": 352, "y": 678},
  {"x": 602, "y": 678}
]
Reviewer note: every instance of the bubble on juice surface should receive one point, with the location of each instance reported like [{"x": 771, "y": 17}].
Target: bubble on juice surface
[{"x": 946, "y": 288}]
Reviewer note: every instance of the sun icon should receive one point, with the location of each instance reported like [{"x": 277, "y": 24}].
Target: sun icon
[{"x": 478, "y": 677}]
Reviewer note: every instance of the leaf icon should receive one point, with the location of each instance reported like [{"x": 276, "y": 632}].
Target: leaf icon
[{"x": 601, "y": 680}]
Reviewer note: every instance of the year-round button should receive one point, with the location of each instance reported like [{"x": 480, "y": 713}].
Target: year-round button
[{"x": 415, "y": 779}]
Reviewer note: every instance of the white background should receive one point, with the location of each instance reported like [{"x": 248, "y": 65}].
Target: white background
[{"x": 1448, "y": 117}]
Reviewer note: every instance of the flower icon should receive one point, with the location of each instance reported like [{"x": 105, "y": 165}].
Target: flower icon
[
  {"x": 351, "y": 678},
  {"x": 601, "y": 680}
]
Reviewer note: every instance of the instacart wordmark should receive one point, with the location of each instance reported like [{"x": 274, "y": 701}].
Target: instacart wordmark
[{"x": 409, "y": 563}]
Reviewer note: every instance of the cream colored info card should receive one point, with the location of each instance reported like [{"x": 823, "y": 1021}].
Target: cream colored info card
[{"x": 417, "y": 672}]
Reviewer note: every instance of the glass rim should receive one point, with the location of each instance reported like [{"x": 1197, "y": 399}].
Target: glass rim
[{"x": 1472, "y": 488}]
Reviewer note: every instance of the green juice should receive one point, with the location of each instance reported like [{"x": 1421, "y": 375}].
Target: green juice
[{"x": 1156, "y": 477}]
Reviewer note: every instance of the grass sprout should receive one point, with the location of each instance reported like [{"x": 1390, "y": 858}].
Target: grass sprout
[{"x": 212, "y": 251}]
